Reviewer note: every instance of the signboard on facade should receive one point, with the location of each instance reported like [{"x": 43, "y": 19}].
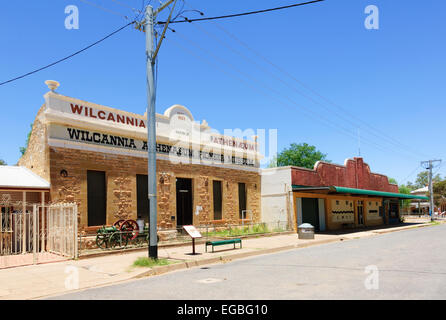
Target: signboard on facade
[{"x": 118, "y": 141}]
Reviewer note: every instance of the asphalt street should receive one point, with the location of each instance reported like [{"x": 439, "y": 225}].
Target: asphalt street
[{"x": 400, "y": 265}]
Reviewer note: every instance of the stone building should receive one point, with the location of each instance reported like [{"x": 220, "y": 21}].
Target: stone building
[{"x": 96, "y": 156}]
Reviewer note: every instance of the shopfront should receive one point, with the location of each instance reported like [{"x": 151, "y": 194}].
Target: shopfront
[
  {"x": 360, "y": 198},
  {"x": 96, "y": 156},
  {"x": 334, "y": 208}
]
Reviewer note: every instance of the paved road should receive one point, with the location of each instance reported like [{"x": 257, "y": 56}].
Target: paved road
[{"x": 411, "y": 264}]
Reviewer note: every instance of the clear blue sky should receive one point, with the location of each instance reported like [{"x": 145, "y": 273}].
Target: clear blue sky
[{"x": 392, "y": 79}]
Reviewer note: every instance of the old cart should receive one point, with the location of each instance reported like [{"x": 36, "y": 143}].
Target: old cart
[{"x": 120, "y": 235}]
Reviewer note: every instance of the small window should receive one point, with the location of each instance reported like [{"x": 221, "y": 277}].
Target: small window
[
  {"x": 346, "y": 202},
  {"x": 337, "y": 202}
]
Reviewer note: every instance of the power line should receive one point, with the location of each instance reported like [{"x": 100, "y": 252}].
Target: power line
[
  {"x": 244, "y": 13},
  {"x": 104, "y": 9},
  {"x": 439, "y": 167},
  {"x": 137, "y": 11},
  {"x": 376, "y": 145},
  {"x": 405, "y": 149},
  {"x": 344, "y": 116},
  {"x": 372, "y": 130},
  {"x": 410, "y": 174},
  {"x": 285, "y": 82},
  {"x": 68, "y": 57},
  {"x": 308, "y": 112}
]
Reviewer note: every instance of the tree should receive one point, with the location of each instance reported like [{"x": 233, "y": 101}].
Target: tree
[
  {"x": 411, "y": 186},
  {"x": 299, "y": 155},
  {"x": 423, "y": 179},
  {"x": 23, "y": 149},
  {"x": 3, "y": 163},
  {"x": 439, "y": 189},
  {"x": 392, "y": 180},
  {"x": 405, "y": 204}
]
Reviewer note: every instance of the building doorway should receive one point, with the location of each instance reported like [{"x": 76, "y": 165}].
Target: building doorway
[
  {"x": 184, "y": 202},
  {"x": 142, "y": 194},
  {"x": 360, "y": 210},
  {"x": 310, "y": 212},
  {"x": 394, "y": 212},
  {"x": 218, "y": 202},
  {"x": 242, "y": 200},
  {"x": 96, "y": 198}
]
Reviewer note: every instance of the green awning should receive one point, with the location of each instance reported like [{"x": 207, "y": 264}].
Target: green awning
[{"x": 334, "y": 189}]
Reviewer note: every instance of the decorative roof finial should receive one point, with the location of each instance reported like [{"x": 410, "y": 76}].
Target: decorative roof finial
[{"x": 52, "y": 84}]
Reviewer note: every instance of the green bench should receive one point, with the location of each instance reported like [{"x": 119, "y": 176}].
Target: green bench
[{"x": 222, "y": 242}]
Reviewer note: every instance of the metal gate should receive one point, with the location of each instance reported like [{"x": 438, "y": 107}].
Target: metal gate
[
  {"x": 62, "y": 229},
  {"x": 30, "y": 230}
]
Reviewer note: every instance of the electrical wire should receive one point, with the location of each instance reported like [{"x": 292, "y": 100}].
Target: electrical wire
[
  {"x": 67, "y": 57},
  {"x": 308, "y": 112},
  {"x": 276, "y": 77},
  {"x": 439, "y": 167},
  {"x": 104, "y": 9},
  {"x": 244, "y": 13},
  {"x": 345, "y": 113},
  {"x": 410, "y": 174},
  {"x": 329, "y": 121},
  {"x": 138, "y": 12}
]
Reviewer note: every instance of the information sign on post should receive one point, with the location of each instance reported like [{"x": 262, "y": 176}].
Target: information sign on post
[{"x": 193, "y": 233}]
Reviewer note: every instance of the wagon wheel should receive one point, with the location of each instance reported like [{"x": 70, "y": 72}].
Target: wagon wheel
[
  {"x": 130, "y": 229},
  {"x": 101, "y": 241},
  {"x": 118, "y": 224},
  {"x": 117, "y": 240}
]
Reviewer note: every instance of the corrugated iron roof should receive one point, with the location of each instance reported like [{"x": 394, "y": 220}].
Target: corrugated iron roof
[{"x": 22, "y": 178}]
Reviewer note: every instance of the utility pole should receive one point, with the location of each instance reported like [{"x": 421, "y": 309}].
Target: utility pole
[
  {"x": 151, "y": 52},
  {"x": 430, "y": 166}
]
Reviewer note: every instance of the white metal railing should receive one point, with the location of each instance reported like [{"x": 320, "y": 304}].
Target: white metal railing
[
  {"x": 16, "y": 228},
  {"x": 35, "y": 228},
  {"x": 62, "y": 229}
]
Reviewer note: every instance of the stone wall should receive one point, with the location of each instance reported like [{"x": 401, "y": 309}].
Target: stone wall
[
  {"x": 121, "y": 174},
  {"x": 36, "y": 155}
]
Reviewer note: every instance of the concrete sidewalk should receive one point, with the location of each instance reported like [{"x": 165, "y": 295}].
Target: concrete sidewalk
[{"x": 36, "y": 281}]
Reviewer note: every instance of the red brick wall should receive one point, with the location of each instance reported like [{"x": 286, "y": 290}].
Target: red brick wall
[{"x": 353, "y": 174}]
